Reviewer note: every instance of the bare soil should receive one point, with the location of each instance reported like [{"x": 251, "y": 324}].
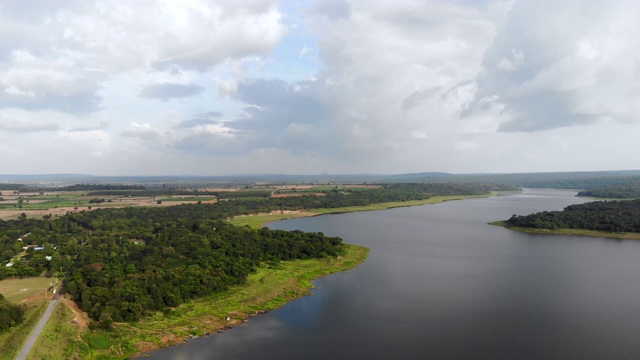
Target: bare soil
[{"x": 81, "y": 318}]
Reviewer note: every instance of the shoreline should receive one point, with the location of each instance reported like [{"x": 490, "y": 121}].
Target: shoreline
[
  {"x": 237, "y": 311},
  {"x": 572, "y": 232},
  {"x": 271, "y": 286},
  {"x": 257, "y": 221}
]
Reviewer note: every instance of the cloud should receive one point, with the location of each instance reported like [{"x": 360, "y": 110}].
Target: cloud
[
  {"x": 23, "y": 127},
  {"x": 89, "y": 127},
  {"x": 188, "y": 124},
  {"x": 217, "y": 33},
  {"x": 59, "y": 56},
  {"x": 141, "y": 131},
  {"x": 281, "y": 115},
  {"x": 34, "y": 82},
  {"x": 577, "y": 69},
  {"x": 304, "y": 51},
  {"x": 227, "y": 87},
  {"x": 418, "y": 97},
  {"x": 211, "y": 114},
  {"x": 21, "y": 121},
  {"x": 332, "y": 9},
  {"x": 170, "y": 91},
  {"x": 213, "y": 139}
]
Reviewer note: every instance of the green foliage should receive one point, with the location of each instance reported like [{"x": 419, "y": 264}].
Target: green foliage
[
  {"x": 629, "y": 190},
  {"x": 10, "y": 314},
  {"x": 177, "y": 260},
  {"x": 612, "y": 216}
]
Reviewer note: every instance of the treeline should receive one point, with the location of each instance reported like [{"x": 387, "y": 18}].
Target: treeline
[
  {"x": 614, "y": 216},
  {"x": 185, "y": 192},
  {"x": 76, "y": 187},
  {"x": 555, "y": 180},
  {"x": 10, "y": 314},
  {"x": 97, "y": 187},
  {"x": 630, "y": 190}
]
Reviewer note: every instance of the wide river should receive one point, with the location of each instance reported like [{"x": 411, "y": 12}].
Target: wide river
[{"x": 442, "y": 284}]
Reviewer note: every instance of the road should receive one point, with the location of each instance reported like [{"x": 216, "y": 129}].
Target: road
[{"x": 31, "y": 341}]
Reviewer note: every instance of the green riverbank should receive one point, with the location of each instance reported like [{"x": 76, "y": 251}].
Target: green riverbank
[
  {"x": 270, "y": 287},
  {"x": 576, "y": 232}
]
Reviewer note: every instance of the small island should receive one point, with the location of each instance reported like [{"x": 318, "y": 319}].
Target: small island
[{"x": 614, "y": 219}]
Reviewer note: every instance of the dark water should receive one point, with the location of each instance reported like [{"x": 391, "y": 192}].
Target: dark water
[{"x": 441, "y": 284}]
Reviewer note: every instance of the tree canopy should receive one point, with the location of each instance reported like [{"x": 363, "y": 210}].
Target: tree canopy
[{"x": 614, "y": 216}]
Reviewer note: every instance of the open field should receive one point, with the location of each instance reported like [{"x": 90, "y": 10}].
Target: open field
[
  {"x": 58, "y": 206},
  {"x": 61, "y": 202},
  {"x": 19, "y": 291}
]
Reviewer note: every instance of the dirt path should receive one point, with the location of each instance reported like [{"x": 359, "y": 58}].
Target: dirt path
[{"x": 81, "y": 318}]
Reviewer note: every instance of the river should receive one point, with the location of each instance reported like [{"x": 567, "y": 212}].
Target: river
[{"x": 442, "y": 284}]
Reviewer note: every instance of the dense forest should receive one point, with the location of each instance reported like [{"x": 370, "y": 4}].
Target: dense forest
[
  {"x": 10, "y": 314},
  {"x": 630, "y": 190},
  {"x": 121, "y": 263},
  {"x": 615, "y": 216}
]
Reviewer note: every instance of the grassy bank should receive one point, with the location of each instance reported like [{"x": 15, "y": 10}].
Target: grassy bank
[
  {"x": 578, "y": 232},
  {"x": 59, "y": 339},
  {"x": 270, "y": 287},
  {"x": 260, "y": 220}
]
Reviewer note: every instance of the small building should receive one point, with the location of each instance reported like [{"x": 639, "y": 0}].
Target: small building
[
  {"x": 9, "y": 264},
  {"x": 38, "y": 248},
  {"x": 48, "y": 257}
]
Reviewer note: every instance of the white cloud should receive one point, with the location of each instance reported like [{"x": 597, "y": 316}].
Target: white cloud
[
  {"x": 304, "y": 51},
  {"x": 580, "y": 67},
  {"x": 142, "y": 131},
  {"x": 227, "y": 87},
  {"x": 392, "y": 86}
]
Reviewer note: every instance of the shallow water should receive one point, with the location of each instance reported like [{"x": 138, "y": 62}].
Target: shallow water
[{"x": 440, "y": 283}]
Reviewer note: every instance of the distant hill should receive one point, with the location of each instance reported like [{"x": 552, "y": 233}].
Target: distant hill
[{"x": 559, "y": 180}]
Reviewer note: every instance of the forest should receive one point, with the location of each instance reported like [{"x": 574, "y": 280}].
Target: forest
[
  {"x": 122, "y": 263},
  {"x": 629, "y": 190},
  {"x": 612, "y": 216}
]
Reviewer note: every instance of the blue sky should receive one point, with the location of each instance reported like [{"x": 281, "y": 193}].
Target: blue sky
[{"x": 302, "y": 87}]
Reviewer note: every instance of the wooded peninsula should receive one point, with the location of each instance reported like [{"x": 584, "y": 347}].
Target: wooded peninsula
[{"x": 620, "y": 219}]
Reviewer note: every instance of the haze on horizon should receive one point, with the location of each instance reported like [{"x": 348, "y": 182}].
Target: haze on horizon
[{"x": 226, "y": 87}]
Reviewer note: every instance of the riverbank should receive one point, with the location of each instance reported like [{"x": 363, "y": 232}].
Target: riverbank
[
  {"x": 270, "y": 287},
  {"x": 576, "y": 232},
  {"x": 257, "y": 221}
]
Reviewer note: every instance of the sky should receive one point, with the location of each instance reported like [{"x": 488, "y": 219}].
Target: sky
[{"x": 227, "y": 87}]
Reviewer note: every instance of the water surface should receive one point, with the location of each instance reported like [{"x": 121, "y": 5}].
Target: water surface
[{"x": 442, "y": 284}]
